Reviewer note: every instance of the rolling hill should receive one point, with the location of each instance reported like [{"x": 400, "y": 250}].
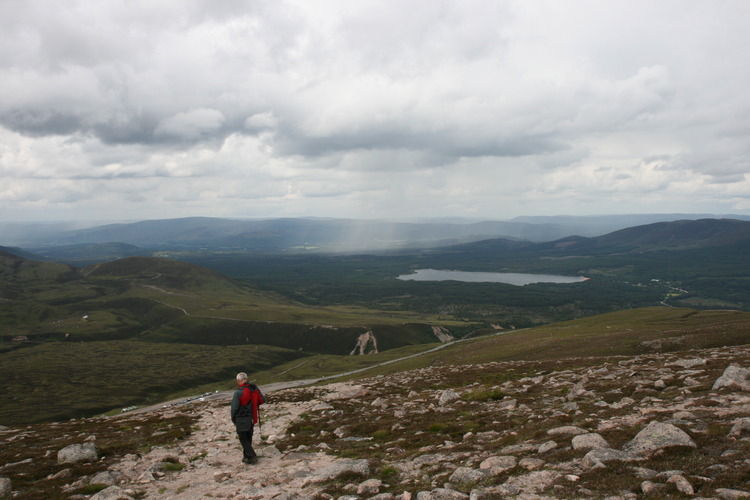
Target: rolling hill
[
  {"x": 148, "y": 317},
  {"x": 661, "y": 236}
]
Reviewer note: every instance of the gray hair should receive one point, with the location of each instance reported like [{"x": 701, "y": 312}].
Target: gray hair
[{"x": 241, "y": 376}]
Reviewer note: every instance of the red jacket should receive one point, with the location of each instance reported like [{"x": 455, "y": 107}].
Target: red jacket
[{"x": 245, "y": 402}]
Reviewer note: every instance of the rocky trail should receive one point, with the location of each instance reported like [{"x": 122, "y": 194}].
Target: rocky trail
[{"x": 661, "y": 425}]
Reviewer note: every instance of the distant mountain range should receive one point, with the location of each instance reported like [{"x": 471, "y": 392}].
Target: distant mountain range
[{"x": 64, "y": 242}]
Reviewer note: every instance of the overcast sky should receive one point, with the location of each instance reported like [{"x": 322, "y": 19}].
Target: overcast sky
[{"x": 130, "y": 109}]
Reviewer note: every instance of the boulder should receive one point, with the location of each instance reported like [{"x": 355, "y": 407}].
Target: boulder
[
  {"x": 578, "y": 391},
  {"x": 598, "y": 457},
  {"x": 567, "y": 429},
  {"x": 382, "y": 496},
  {"x": 498, "y": 464},
  {"x": 530, "y": 463},
  {"x": 688, "y": 362},
  {"x": 495, "y": 492},
  {"x": 589, "y": 441},
  {"x": 507, "y": 404},
  {"x": 682, "y": 484},
  {"x": 730, "y": 494},
  {"x": 741, "y": 426},
  {"x": 444, "y": 494},
  {"x": 534, "y": 482},
  {"x": 448, "y": 396},
  {"x": 735, "y": 377},
  {"x": 369, "y": 487},
  {"x": 652, "y": 489},
  {"x": 221, "y": 476},
  {"x": 468, "y": 475},
  {"x": 112, "y": 493},
  {"x": 340, "y": 467},
  {"x": 6, "y": 487},
  {"x": 548, "y": 446},
  {"x": 78, "y": 453},
  {"x": 104, "y": 477},
  {"x": 657, "y": 436}
]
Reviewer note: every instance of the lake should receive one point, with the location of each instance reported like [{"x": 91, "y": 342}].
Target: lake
[{"x": 518, "y": 279}]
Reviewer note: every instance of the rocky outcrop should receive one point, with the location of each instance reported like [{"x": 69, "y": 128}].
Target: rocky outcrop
[
  {"x": 442, "y": 333},
  {"x": 734, "y": 377},
  {"x": 366, "y": 344},
  {"x": 656, "y": 437}
]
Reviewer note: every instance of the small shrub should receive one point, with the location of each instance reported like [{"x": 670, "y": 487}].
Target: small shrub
[
  {"x": 380, "y": 435},
  {"x": 483, "y": 395},
  {"x": 388, "y": 473},
  {"x": 172, "y": 467},
  {"x": 437, "y": 427}
]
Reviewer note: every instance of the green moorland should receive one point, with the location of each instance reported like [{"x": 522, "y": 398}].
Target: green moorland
[
  {"x": 622, "y": 333},
  {"x": 138, "y": 373},
  {"x": 60, "y": 380},
  {"x": 135, "y": 330},
  {"x": 170, "y": 301}
]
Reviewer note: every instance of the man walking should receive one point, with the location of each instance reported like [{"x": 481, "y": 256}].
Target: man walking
[{"x": 245, "y": 404}]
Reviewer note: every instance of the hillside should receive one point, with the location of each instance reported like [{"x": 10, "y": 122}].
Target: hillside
[
  {"x": 676, "y": 235},
  {"x": 149, "y": 317},
  {"x": 668, "y": 423}
]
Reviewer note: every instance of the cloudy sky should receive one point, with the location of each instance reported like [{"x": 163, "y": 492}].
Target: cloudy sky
[{"x": 145, "y": 109}]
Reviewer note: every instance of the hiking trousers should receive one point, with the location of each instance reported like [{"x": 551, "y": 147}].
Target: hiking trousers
[{"x": 246, "y": 440}]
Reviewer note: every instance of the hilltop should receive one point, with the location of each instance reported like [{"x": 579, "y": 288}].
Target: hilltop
[{"x": 656, "y": 424}]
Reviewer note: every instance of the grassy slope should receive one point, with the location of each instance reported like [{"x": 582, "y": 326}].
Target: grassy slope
[
  {"x": 133, "y": 295},
  {"x": 58, "y": 380},
  {"x": 630, "y": 332},
  {"x": 141, "y": 372},
  {"x": 136, "y": 330}
]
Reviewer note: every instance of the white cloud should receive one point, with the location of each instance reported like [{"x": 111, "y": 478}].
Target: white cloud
[
  {"x": 375, "y": 107},
  {"x": 191, "y": 125}
]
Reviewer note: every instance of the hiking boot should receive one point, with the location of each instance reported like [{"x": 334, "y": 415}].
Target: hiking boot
[{"x": 253, "y": 460}]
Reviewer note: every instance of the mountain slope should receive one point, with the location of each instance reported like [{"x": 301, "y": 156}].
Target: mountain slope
[
  {"x": 587, "y": 426},
  {"x": 677, "y": 235},
  {"x": 142, "y": 317}
]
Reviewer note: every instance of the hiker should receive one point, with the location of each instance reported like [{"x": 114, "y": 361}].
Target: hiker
[{"x": 245, "y": 415}]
